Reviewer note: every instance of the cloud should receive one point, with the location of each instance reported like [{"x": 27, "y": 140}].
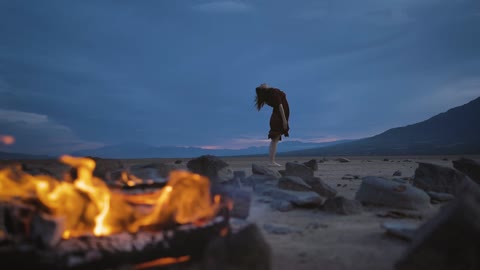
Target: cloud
[
  {"x": 37, "y": 134},
  {"x": 224, "y": 7}
]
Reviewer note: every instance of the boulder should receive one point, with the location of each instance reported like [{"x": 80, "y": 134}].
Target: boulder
[
  {"x": 312, "y": 164},
  {"x": 211, "y": 166},
  {"x": 320, "y": 187},
  {"x": 300, "y": 170},
  {"x": 297, "y": 198},
  {"x": 342, "y": 160},
  {"x": 397, "y": 173},
  {"x": 450, "y": 240},
  {"x": 264, "y": 170},
  {"x": 469, "y": 167},
  {"x": 256, "y": 179},
  {"x": 281, "y": 205},
  {"x": 293, "y": 183},
  {"x": 431, "y": 177},
  {"x": 341, "y": 205},
  {"x": 403, "y": 230},
  {"x": 381, "y": 191}
]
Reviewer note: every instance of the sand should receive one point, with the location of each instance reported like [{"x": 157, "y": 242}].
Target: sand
[{"x": 321, "y": 240}]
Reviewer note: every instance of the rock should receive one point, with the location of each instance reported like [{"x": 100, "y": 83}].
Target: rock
[
  {"x": 342, "y": 206},
  {"x": 275, "y": 229},
  {"x": 431, "y": 177},
  {"x": 401, "y": 214},
  {"x": 239, "y": 176},
  {"x": 386, "y": 159},
  {"x": 241, "y": 199},
  {"x": 281, "y": 205},
  {"x": 469, "y": 167},
  {"x": 347, "y": 177},
  {"x": 381, "y": 191},
  {"x": 27, "y": 168},
  {"x": 264, "y": 170},
  {"x": 342, "y": 160},
  {"x": 256, "y": 179},
  {"x": 397, "y": 173},
  {"x": 211, "y": 166},
  {"x": 300, "y": 170},
  {"x": 312, "y": 164},
  {"x": 321, "y": 187},
  {"x": 246, "y": 249},
  {"x": 402, "y": 230},
  {"x": 449, "y": 240},
  {"x": 297, "y": 198},
  {"x": 441, "y": 197},
  {"x": 293, "y": 183},
  {"x": 282, "y": 172},
  {"x": 178, "y": 161}
]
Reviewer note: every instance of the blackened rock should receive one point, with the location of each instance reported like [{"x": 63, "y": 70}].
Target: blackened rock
[
  {"x": 431, "y": 177},
  {"x": 300, "y": 170},
  {"x": 211, "y": 166},
  {"x": 342, "y": 206},
  {"x": 321, "y": 187},
  {"x": 469, "y": 167},
  {"x": 312, "y": 164},
  {"x": 293, "y": 183},
  {"x": 450, "y": 240}
]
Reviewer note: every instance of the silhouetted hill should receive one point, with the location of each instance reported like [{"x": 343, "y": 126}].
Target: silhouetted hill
[
  {"x": 139, "y": 150},
  {"x": 456, "y": 131},
  {"x": 12, "y": 156}
]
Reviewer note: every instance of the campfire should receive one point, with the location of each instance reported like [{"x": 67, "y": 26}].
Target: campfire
[{"x": 81, "y": 222}]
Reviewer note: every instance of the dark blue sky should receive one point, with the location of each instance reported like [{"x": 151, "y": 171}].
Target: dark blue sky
[{"x": 80, "y": 74}]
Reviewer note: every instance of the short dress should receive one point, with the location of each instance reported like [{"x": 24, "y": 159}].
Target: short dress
[{"x": 275, "y": 97}]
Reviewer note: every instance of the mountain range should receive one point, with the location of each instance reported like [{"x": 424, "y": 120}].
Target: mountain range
[{"x": 456, "y": 131}]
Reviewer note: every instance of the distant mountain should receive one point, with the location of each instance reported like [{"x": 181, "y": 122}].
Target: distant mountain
[
  {"x": 456, "y": 131},
  {"x": 140, "y": 150},
  {"x": 13, "y": 156}
]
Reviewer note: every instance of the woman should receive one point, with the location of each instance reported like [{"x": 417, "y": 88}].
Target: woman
[{"x": 276, "y": 99}]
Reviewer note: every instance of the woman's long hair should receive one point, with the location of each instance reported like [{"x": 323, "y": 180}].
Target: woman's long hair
[{"x": 260, "y": 97}]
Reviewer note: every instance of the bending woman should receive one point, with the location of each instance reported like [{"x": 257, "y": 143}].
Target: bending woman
[{"x": 276, "y": 99}]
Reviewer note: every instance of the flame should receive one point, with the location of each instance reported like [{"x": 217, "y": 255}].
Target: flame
[
  {"x": 7, "y": 139},
  {"x": 91, "y": 207}
]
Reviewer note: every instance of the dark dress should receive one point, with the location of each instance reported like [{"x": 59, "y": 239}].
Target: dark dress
[{"x": 275, "y": 97}]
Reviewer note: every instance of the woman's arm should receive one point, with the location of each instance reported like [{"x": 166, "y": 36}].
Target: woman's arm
[{"x": 284, "y": 119}]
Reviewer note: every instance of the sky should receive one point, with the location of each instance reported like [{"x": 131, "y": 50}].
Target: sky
[{"x": 83, "y": 74}]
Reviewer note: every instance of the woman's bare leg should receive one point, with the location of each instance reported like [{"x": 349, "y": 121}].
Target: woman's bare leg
[{"x": 273, "y": 150}]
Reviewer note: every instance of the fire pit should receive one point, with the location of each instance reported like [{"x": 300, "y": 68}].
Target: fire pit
[{"x": 83, "y": 224}]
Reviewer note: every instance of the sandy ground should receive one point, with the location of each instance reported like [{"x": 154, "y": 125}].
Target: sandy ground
[{"x": 328, "y": 241}]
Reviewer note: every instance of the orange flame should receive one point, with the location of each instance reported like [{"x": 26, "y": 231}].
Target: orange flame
[
  {"x": 7, "y": 139},
  {"x": 90, "y": 206}
]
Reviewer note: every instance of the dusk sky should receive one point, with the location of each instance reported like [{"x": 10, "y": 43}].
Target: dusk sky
[{"x": 83, "y": 74}]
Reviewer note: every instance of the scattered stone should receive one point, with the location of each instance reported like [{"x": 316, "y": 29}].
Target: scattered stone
[
  {"x": 450, "y": 239},
  {"x": 339, "y": 185},
  {"x": 347, "y": 177},
  {"x": 275, "y": 229},
  {"x": 431, "y": 177},
  {"x": 440, "y": 197},
  {"x": 320, "y": 187},
  {"x": 407, "y": 160},
  {"x": 403, "y": 230},
  {"x": 256, "y": 179},
  {"x": 397, "y": 173},
  {"x": 264, "y": 170},
  {"x": 293, "y": 183},
  {"x": 356, "y": 177},
  {"x": 381, "y": 191},
  {"x": 281, "y": 205},
  {"x": 469, "y": 167},
  {"x": 297, "y": 198},
  {"x": 300, "y": 170},
  {"x": 178, "y": 161},
  {"x": 312, "y": 164},
  {"x": 401, "y": 214},
  {"x": 214, "y": 168},
  {"x": 315, "y": 226},
  {"x": 445, "y": 159},
  {"x": 35, "y": 170},
  {"x": 386, "y": 159},
  {"x": 342, "y": 160},
  {"x": 341, "y": 205}
]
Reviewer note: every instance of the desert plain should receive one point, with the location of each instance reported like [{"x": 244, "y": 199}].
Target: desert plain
[{"x": 311, "y": 238}]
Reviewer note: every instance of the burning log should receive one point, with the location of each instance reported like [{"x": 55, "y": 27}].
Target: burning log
[{"x": 91, "y": 252}]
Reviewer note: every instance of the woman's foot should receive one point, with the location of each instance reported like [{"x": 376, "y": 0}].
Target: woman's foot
[{"x": 274, "y": 164}]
